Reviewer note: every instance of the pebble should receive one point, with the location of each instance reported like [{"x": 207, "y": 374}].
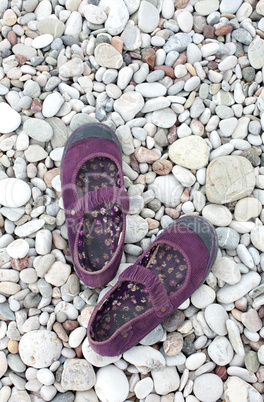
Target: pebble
[
  {"x": 14, "y": 192},
  {"x": 234, "y": 337},
  {"x": 145, "y": 358},
  {"x": 77, "y": 375},
  {"x": 167, "y": 190},
  {"x": 111, "y": 384},
  {"x": 231, "y": 293},
  {"x": 58, "y": 273},
  {"x": 203, "y": 296},
  {"x": 128, "y": 105},
  {"x": 38, "y": 129},
  {"x": 18, "y": 248},
  {"x": 166, "y": 380},
  {"x": 190, "y": 152},
  {"x": 257, "y": 236},
  {"x": 148, "y": 17},
  {"x": 220, "y": 351},
  {"x": 255, "y": 53},
  {"x": 10, "y": 119},
  {"x": 216, "y": 317},
  {"x": 218, "y": 215},
  {"x": 39, "y": 348},
  {"x": 208, "y": 385},
  {"x": 107, "y": 56},
  {"x": 246, "y": 391},
  {"x": 227, "y": 270},
  {"x": 222, "y": 187}
]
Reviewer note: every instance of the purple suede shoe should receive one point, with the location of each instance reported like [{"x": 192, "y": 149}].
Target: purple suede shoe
[
  {"x": 146, "y": 293},
  {"x": 95, "y": 202}
]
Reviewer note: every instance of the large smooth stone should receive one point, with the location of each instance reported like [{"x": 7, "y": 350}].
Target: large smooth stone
[
  {"x": 190, "y": 152},
  {"x": 77, "y": 375},
  {"x": 247, "y": 208},
  {"x": 256, "y": 53},
  {"x": 148, "y": 17},
  {"x": 206, "y": 7},
  {"x": 136, "y": 230},
  {"x": 9, "y": 119},
  {"x": 227, "y": 270},
  {"x": 111, "y": 384},
  {"x": 94, "y": 358},
  {"x": 216, "y": 317},
  {"x": 257, "y": 237},
  {"x": 227, "y": 238},
  {"x": 237, "y": 390},
  {"x": 231, "y": 293},
  {"x": 145, "y": 358},
  {"x": 221, "y": 351},
  {"x": 40, "y": 348},
  {"x": 168, "y": 190},
  {"x": 208, "y": 387},
  {"x": 218, "y": 215},
  {"x": 229, "y": 178},
  {"x": 14, "y": 192},
  {"x": 107, "y": 56},
  {"x": 129, "y": 104},
  {"x": 38, "y": 129}
]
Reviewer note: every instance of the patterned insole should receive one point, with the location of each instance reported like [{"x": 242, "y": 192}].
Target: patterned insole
[
  {"x": 132, "y": 299},
  {"x": 102, "y": 228}
]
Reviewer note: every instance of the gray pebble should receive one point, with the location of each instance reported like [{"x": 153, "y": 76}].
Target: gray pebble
[
  {"x": 227, "y": 238},
  {"x": 32, "y": 300}
]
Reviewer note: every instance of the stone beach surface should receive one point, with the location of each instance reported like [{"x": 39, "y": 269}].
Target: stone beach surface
[{"x": 181, "y": 84}]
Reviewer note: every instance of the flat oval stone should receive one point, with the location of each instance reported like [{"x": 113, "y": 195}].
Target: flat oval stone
[
  {"x": 137, "y": 228},
  {"x": 256, "y": 53},
  {"x": 111, "y": 384},
  {"x": 51, "y": 26},
  {"x": 94, "y": 14},
  {"x": 164, "y": 118},
  {"x": 107, "y": 56},
  {"x": 52, "y": 104},
  {"x": 148, "y": 17},
  {"x": 94, "y": 358},
  {"x": 231, "y": 293},
  {"x": 216, "y": 317},
  {"x": 39, "y": 348},
  {"x": 220, "y": 351},
  {"x": 234, "y": 337},
  {"x": 14, "y": 192},
  {"x": 247, "y": 208},
  {"x": 168, "y": 190},
  {"x": 218, "y": 215},
  {"x": 128, "y": 105},
  {"x": 190, "y": 152},
  {"x": 77, "y": 375},
  {"x": 208, "y": 387},
  {"x": 203, "y": 296},
  {"x": 227, "y": 270},
  {"x": 42, "y": 41},
  {"x": 18, "y": 248},
  {"x": 246, "y": 391},
  {"x": 38, "y": 129},
  {"x": 151, "y": 89},
  {"x": 10, "y": 119},
  {"x": 229, "y": 178},
  {"x": 257, "y": 237},
  {"x": 206, "y": 7},
  {"x": 145, "y": 358}
]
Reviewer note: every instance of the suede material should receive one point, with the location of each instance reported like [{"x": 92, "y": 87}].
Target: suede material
[
  {"x": 75, "y": 156},
  {"x": 199, "y": 261}
]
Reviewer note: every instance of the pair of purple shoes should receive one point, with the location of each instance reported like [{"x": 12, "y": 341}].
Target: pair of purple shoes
[{"x": 161, "y": 279}]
